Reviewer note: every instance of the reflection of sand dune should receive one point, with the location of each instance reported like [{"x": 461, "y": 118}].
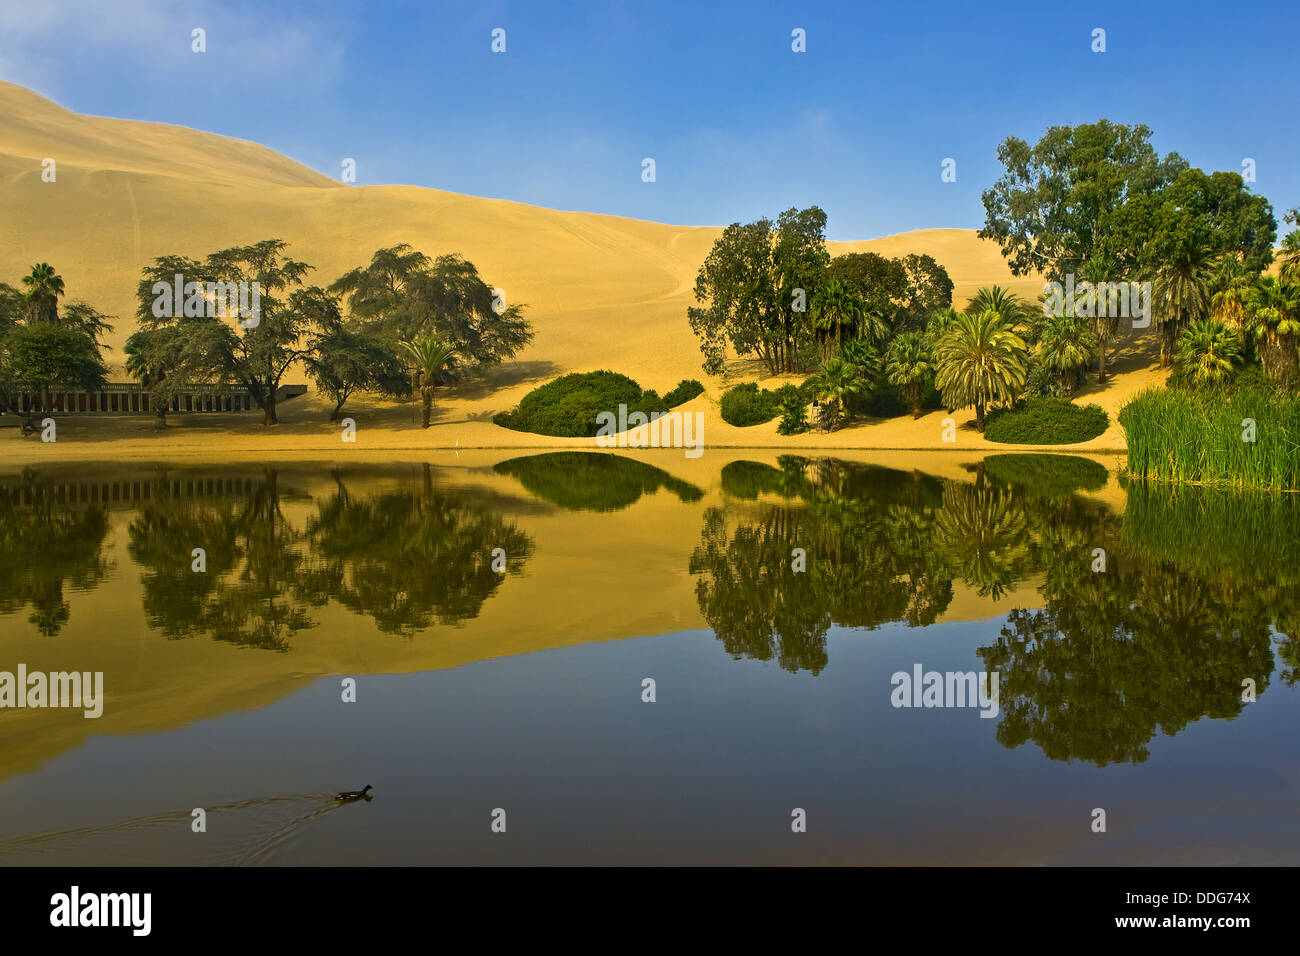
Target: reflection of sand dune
[
  {"x": 592, "y": 576},
  {"x": 243, "y": 833}
]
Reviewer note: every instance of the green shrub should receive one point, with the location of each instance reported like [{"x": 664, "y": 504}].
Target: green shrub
[
  {"x": 1045, "y": 421},
  {"x": 569, "y": 405},
  {"x": 744, "y": 405},
  {"x": 1199, "y": 437},
  {"x": 685, "y": 390},
  {"x": 794, "y": 414}
]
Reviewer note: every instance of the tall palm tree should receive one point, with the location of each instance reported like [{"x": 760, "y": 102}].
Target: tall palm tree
[
  {"x": 837, "y": 308},
  {"x": 44, "y": 286},
  {"x": 1181, "y": 292},
  {"x": 1273, "y": 318},
  {"x": 1290, "y": 256},
  {"x": 979, "y": 361},
  {"x": 835, "y": 383},
  {"x": 1104, "y": 321},
  {"x": 1013, "y": 310},
  {"x": 908, "y": 365},
  {"x": 1207, "y": 351},
  {"x": 1066, "y": 344},
  {"x": 430, "y": 354}
]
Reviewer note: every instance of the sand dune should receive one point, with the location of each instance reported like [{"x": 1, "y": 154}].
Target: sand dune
[{"x": 602, "y": 291}]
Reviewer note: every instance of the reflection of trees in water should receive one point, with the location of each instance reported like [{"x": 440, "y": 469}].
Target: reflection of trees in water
[
  {"x": 870, "y": 539},
  {"x": 1113, "y": 657},
  {"x": 247, "y": 595},
  {"x": 47, "y": 546},
  {"x": 410, "y": 557},
  {"x": 593, "y": 481},
  {"x": 406, "y": 557}
]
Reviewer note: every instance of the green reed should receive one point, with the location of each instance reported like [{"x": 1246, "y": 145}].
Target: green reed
[{"x": 1201, "y": 438}]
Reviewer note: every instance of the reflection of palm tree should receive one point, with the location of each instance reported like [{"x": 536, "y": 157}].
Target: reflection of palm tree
[{"x": 984, "y": 531}]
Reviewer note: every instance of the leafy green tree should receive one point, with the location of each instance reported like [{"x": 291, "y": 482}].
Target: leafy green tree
[
  {"x": 900, "y": 294},
  {"x": 402, "y": 294},
  {"x": 343, "y": 359},
  {"x": 754, "y": 290},
  {"x": 430, "y": 355},
  {"x": 44, "y": 350},
  {"x": 1208, "y": 351},
  {"x": 908, "y": 365},
  {"x": 1055, "y": 206},
  {"x": 979, "y": 361},
  {"x": 173, "y": 351}
]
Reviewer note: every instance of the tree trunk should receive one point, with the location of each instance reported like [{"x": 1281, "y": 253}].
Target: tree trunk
[
  {"x": 268, "y": 410},
  {"x": 915, "y": 389},
  {"x": 979, "y": 416},
  {"x": 426, "y": 395},
  {"x": 1101, "y": 362}
]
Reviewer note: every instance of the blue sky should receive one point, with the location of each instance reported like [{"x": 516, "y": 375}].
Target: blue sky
[{"x": 739, "y": 126}]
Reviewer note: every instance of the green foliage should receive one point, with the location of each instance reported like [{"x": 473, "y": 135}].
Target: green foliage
[
  {"x": 43, "y": 349},
  {"x": 901, "y": 293},
  {"x": 745, "y": 404},
  {"x": 402, "y": 294},
  {"x": 1207, "y": 353},
  {"x": 794, "y": 414},
  {"x": 343, "y": 360},
  {"x": 683, "y": 392},
  {"x": 1056, "y": 205},
  {"x": 568, "y": 406},
  {"x": 1046, "y": 421},
  {"x": 1198, "y": 437},
  {"x": 979, "y": 361},
  {"x": 593, "y": 481},
  {"x": 747, "y": 290}
]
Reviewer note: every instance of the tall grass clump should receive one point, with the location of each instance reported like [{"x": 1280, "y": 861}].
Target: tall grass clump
[{"x": 1202, "y": 438}]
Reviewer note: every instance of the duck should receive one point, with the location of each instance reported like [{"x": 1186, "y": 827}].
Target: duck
[{"x": 349, "y": 795}]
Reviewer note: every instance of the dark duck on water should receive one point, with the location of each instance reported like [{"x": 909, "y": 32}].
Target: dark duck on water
[{"x": 350, "y": 795}]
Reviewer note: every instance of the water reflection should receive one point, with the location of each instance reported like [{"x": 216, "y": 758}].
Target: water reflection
[
  {"x": 50, "y": 541},
  {"x": 591, "y": 481},
  {"x": 1169, "y": 632}
]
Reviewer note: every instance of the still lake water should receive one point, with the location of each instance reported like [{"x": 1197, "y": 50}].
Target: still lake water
[{"x": 479, "y": 689}]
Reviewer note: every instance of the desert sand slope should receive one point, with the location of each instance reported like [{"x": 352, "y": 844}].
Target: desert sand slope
[{"x": 602, "y": 291}]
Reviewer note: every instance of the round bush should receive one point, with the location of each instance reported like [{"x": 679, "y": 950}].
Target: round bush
[
  {"x": 1045, "y": 421},
  {"x": 568, "y": 406},
  {"x": 744, "y": 405}
]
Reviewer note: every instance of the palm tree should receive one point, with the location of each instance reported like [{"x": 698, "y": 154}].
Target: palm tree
[
  {"x": 836, "y": 307},
  {"x": 1065, "y": 345},
  {"x": 835, "y": 383},
  {"x": 978, "y": 361},
  {"x": 1273, "y": 318},
  {"x": 1012, "y": 309},
  {"x": 1290, "y": 256},
  {"x": 430, "y": 354},
  {"x": 1207, "y": 352},
  {"x": 908, "y": 365},
  {"x": 44, "y": 286},
  {"x": 1104, "y": 320},
  {"x": 1181, "y": 292}
]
